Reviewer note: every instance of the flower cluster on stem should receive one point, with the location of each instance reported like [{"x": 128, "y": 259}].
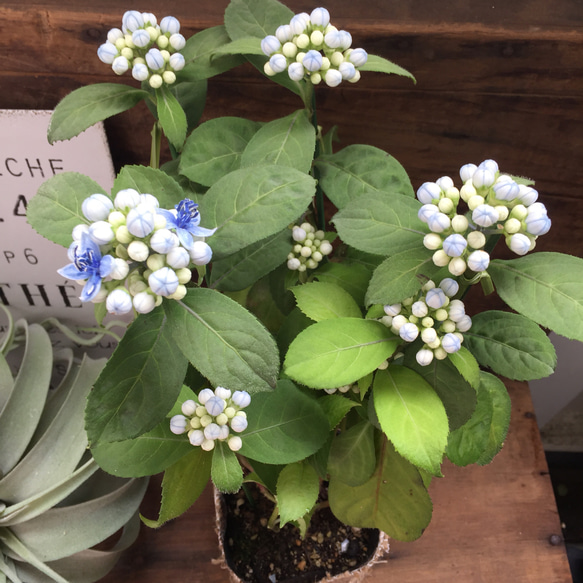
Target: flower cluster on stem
[
  {"x": 497, "y": 205},
  {"x": 133, "y": 253},
  {"x": 311, "y": 48},
  {"x": 150, "y": 50},
  {"x": 432, "y": 315},
  {"x": 309, "y": 249},
  {"x": 212, "y": 417}
]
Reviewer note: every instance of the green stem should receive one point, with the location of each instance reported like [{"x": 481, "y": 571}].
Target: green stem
[{"x": 156, "y": 145}]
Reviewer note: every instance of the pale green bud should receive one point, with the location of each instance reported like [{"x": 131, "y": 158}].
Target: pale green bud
[
  {"x": 476, "y": 239},
  {"x": 475, "y": 201}
]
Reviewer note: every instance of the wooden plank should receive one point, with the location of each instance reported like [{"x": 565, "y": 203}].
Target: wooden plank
[{"x": 490, "y": 524}]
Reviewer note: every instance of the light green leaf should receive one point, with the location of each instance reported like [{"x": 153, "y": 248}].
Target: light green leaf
[
  {"x": 56, "y": 208},
  {"x": 337, "y": 352},
  {"x": 352, "y": 457},
  {"x": 289, "y": 141},
  {"x": 511, "y": 345},
  {"x": 171, "y": 116},
  {"x": 226, "y": 471},
  {"x": 412, "y": 416},
  {"x": 382, "y": 65},
  {"x": 226, "y": 343},
  {"x": 401, "y": 276},
  {"x": 381, "y": 223},
  {"x": 215, "y": 147},
  {"x": 353, "y": 277},
  {"x": 285, "y": 426},
  {"x": 323, "y": 301},
  {"x": 545, "y": 287},
  {"x": 86, "y": 106},
  {"x": 139, "y": 384},
  {"x": 466, "y": 365},
  {"x": 297, "y": 491},
  {"x": 393, "y": 500},
  {"x": 258, "y": 18},
  {"x": 250, "y": 204},
  {"x": 360, "y": 169},
  {"x": 335, "y": 407},
  {"x": 183, "y": 482},
  {"x": 246, "y": 45}
]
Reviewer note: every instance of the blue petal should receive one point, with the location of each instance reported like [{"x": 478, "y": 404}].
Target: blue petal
[
  {"x": 106, "y": 265},
  {"x": 170, "y": 218},
  {"x": 71, "y": 272},
  {"x": 91, "y": 288},
  {"x": 88, "y": 244},
  {"x": 184, "y": 237},
  {"x": 202, "y": 232}
]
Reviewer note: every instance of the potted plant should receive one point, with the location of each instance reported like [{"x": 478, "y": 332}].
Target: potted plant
[
  {"x": 299, "y": 310},
  {"x": 56, "y": 502}
]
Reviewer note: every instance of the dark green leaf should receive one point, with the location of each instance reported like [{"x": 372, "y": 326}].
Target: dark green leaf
[
  {"x": 336, "y": 407},
  {"x": 352, "y": 457},
  {"x": 258, "y": 18},
  {"x": 192, "y": 97},
  {"x": 226, "y": 471},
  {"x": 171, "y": 116}
]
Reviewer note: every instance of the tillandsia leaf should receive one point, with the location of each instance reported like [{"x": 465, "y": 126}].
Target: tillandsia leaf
[
  {"x": 145, "y": 455},
  {"x": 381, "y": 223},
  {"x": 337, "y": 352},
  {"x": 456, "y": 394},
  {"x": 226, "y": 471},
  {"x": 545, "y": 287},
  {"x": 481, "y": 438},
  {"x": 225, "y": 342},
  {"x": 352, "y": 458},
  {"x": 511, "y": 345},
  {"x": 200, "y": 57},
  {"x": 382, "y": 65},
  {"x": 412, "y": 416},
  {"x": 7, "y": 569},
  {"x": 88, "y": 105},
  {"x": 323, "y": 301},
  {"x": 289, "y": 141},
  {"x": 402, "y": 275},
  {"x": 6, "y": 381},
  {"x": 393, "y": 500},
  {"x": 242, "y": 269},
  {"x": 250, "y": 204},
  {"x": 284, "y": 426},
  {"x": 58, "y": 451},
  {"x": 353, "y": 277},
  {"x": 106, "y": 515},
  {"x": 171, "y": 116},
  {"x": 336, "y": 407},
  {"x": 466, "y": 365},
  {"x": 192, "y": 98},
  {"x": 298, "y": 486},
  {"x": 139, "y": 384},
  {"x": 22, "y": 411},
  {"x": 359, "y": 169},
  {"x": 215, "y": 148},
  {"x": 149, "y": 181},
  {"x": 56, "y": 208},
  {"x": 183, "y": 482}
]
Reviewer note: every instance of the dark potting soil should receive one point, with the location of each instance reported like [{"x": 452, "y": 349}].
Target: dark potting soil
[{"x": 258, "y": 554}]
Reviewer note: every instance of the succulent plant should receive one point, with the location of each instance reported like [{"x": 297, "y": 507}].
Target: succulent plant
[{"x": 55, "y": 503}]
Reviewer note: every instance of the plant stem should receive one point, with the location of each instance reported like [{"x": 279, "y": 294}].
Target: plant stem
[{"x": 156, "y": 145}]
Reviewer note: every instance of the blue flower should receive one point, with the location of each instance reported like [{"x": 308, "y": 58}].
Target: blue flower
[
  {"x": 185, "y": 221},
  {"x": 90, "y": 265}
]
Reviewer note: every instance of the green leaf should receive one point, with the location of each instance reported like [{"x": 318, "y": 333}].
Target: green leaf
[
  {"x": 215, "y": 147},
  {"x": 183, "y": 482},
  {"x": 381, "y": 223},
  {"x": 545, "y": 287},
  {"x": 149, "y": 181},
  {"x": 139, "y": 384},
  {"x": 146, "y": 455},
  {"x": 412, "y": 416},
  {"x": 466, "y": 365},
  {"x": 56, "y": 209},
  {"x": 393, "y": 500},
  {"x": 352, "y": 457},
  {"x": 382, "y": 65},
  {"x": 284, "y": 426},
  {"x": 337, "y": 352},
  {"x": 289, "y": 141},
  {"x": 323, "y": 301},
  {"x": 86, "y": 106},
  {"x": 226, "y": 471},
  {"x": 246, "y": 45},
  {"x": 6, "y": 381},
  {"x": 250, "y": 204},
  {"x": 360, "y": 169},
  {"x": 244, "y": 268},
  {"x": 335, "y": 407},
  {"x": 511, "y": 345},
  {"x": 266, "y": 474},
  {"x": 352, "y": 277},
  {"x": 401, "y": 276},
  {"x": 258, "y": 18},
  {"x": 171, "y": 116},
  {"x": 191, "y": 96},
  {"x": 226, "y": 343},
  {"x": 298, "y": 486}
]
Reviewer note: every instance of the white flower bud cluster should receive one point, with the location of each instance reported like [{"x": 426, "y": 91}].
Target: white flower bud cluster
[
  {"x": 150, "y": 50},
  {"x": 343, "y": 389},
  {"x": 497, "y": 205},
  {"x": 434, "y": 317},
  {"x": 309, "y": 47},
  {"x": 309, "y": 249},
  {"x": 149, "y": 261},
  {"x": 213, "y": 416}
]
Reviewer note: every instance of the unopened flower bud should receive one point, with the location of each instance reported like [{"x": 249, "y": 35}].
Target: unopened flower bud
[
  {"x": 450, "y": 343},
  {"x": 478, "y": 261},
  {"x": 200, "y": 253},
  {"x": 476, "y": 239},
  {"x": 333, "y": 77},
  {"x": 118, "y": 302},
  {"x": 178, "y": 424},
  {"x": 177, "y": 41},
  {"x": 140, "y": 220},
  {"x": 138, "y": 251},
  {"x": 485, "y": 215},
  {"x": 163, "y": 282},
  {"x": 269, "y": 45},
  {"x": 107, "y": 53},
  {"x": 235, "y": 443},
  {"x": 144, "y": 302},
  {"x": 358, "y": 57},
  {"x": 238, "y": 423},
  {"x": 188, "y": 408},
  {"x": 97, "y": 207},
  {"x": 126, "y": 199},
  {"x": 424, "y": 357},
  {"x": 467, "y": 171},
  {"x": 455, "y": 245},
  {"x": 520, "y": 244},
  {"x": 101, "y": 232},
  {"x": 205, "y": 395}
]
